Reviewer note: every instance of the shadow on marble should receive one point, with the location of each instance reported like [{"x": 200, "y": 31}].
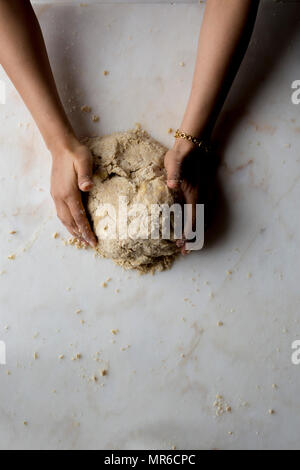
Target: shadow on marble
[{"x": 274, "y": 32}]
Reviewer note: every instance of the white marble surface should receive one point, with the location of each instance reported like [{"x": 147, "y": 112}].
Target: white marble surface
[{"x": 152, "y": 397}]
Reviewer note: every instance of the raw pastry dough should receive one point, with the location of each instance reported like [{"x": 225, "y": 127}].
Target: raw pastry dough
[{"x": 130, "y": 164}]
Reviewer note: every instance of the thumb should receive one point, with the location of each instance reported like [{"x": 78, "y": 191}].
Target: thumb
[
  {"x": 173, "y": 168},
  {"x": 84, "y": 169}
]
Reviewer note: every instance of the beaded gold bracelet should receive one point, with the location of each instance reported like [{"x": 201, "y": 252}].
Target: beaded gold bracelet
[{"x": 198, "y": 142}]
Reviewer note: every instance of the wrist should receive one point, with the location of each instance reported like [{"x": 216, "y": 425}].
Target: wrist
[
  {"x": 182, "y": 146},
  {"x": 68, "y": 143}
]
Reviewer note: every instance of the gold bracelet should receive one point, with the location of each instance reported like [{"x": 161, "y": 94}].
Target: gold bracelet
[{"x": 198, "y": 142}]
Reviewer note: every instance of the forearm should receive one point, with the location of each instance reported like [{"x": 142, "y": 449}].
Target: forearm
[
  {"x": 24, "y": 57},
  {"x": 225, "y": 34}
]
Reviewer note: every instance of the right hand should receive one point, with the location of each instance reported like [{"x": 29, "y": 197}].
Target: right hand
[{"x": 72, "y": 173}]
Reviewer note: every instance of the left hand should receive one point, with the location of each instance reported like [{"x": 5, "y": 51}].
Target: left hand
[{"x": 183, "y": 165}]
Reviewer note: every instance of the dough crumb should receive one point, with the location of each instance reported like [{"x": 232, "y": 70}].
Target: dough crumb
[
  {"x": 220, "y": 323},
  {"x": 170, "y": 130},
  {"x": 55, "y": 235},
  {"x": 95, "y": 118},
  {"x": 221, "y": 406},
  {"x": 35, "y": 356},
  {"x": 86, "y": 109},
  {"x": 115, "y": 332},
  {"x": 103, "y": 372},
  {"x": 12, "y": 256},
  {"x": 105, "y": 73},
  {"x": 76, "y": 357},
  {"x": 13, "y": 232},
  {"x": 271, "y": 412}
]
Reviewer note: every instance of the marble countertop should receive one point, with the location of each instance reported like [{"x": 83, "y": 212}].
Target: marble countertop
[{"x": 170, "y": 359}]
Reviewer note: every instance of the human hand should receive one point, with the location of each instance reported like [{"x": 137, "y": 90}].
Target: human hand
[
  {"x": 189, "y": 170},
  {"x": 72, "y": 173}
]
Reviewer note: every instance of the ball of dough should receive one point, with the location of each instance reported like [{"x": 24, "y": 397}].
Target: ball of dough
[{"x": 130, "y": 165}]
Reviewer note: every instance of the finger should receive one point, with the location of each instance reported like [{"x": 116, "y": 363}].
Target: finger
[
  {"x": 191, "y": 197},
  {"x": 78, "y": 212},
  {"x": 173, "y": 168},
  {"x": 65, "y": 216},
  {"x": 84, "y": 170}
]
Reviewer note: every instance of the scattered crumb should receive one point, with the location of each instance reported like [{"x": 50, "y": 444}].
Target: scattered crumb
[
  {"x": 35, "y": 356},
  {"x": 221, "y": 406},
  {"x": 170, "y": 130},
  {"x": 12, "y": 232},
  {"x": 95, "y": 118},
  {"x": 86, "y": 109},
  {"x": 182, "y": 64},
  {"x": 103, "y": 372},
  {"x": 105, "y": 73},
  {"x": 115, "y": 332},
  {"x": 25, "y": 423},
  {"x": 61, "y": 357},
  {"x": 173, "y": 447},
  {"x": 78, "y": 311},
  {"x": 220, "y": 323},
  {"x": 271, "y": 412},
  {"x": 274, "y": 386},
  {"x": 76, "y": 357},
  {"x": 105, "y": 283},
  {"x": 12, "y": 256},
  {"x": 79, "y": 245},
  {"x": 55, "y": 235}
]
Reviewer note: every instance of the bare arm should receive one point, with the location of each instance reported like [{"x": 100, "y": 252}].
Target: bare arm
[
  {"x": 225, "y": 34},
  {"x": 24, "y": 57}
]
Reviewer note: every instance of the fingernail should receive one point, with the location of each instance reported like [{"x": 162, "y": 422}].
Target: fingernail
[{"x": 86, "y": 185}]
